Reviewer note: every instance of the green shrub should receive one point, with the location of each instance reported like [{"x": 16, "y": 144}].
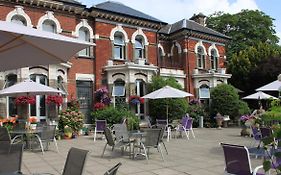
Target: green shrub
[
  {"x": 195, "y": 110},
  {"x": 115, "y": 115},
  {"x": 225, "y": 100},
  {"x": 158, "y": 107}
]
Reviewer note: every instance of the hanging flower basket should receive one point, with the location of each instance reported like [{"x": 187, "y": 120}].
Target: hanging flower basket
[
  {"x": 25, "y": 100},
  {"x": 135, "y": 99},
  {"x": 55, "y": 99}
]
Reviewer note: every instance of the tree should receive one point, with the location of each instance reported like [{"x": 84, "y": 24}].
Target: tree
[
  {"x": 246, "y": 28},
  {"x": 157, "y": 108},
  {"x": 225, "y": 100},
  {"x": 247, "y": 63}
]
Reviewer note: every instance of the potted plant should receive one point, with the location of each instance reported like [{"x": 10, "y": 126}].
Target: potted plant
[
  {"x": 67, "y": 132},
  {"x": 9, "y": 123},
  {"x": 135, "y": 99},
  {"x": 33, "y": 122},
  {"x": 22, "y": 103},
  {"x": 53, "y": 101}
]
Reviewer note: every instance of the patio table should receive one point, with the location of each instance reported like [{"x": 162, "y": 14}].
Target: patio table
[{"x": 26, "y": 133}]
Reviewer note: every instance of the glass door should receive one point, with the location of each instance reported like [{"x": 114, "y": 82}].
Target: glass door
[{"x": 39, "y": 108}]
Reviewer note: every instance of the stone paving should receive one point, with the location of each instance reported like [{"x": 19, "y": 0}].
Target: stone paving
[{"x": 200, "y": 156}]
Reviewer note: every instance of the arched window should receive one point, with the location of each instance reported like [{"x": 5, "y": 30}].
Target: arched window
[
  {"x": 214, "y": 59},
  {"x": 60, "y": 85},
  {"x": 140, "y": 91},
  {"x": 139, "y": 47},
  {"x": 11, "y": 79},
  {"x": 18, "y": 19},
  {"x": 200, "y": 58},
  {"x": 49, "y": 26},
  {"x": 204, "y": 92},
  {"x": 119, "y": 46},
  {"x": 84, "y": 34},
  {"x": 175, "y": 53}
]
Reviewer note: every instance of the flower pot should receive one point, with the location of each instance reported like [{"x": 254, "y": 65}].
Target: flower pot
[
  {"x": 245, "y": 132},
  {"x": 219, "y": 122},
  {"x": 68, "y": 135},
  {"x": 33, "y": 126}
]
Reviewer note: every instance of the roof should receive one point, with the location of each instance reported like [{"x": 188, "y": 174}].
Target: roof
[
  {"x": 190, "y": 25},
  {"x": 120, "y": 8},
  {"x": 71, "y": 2}
]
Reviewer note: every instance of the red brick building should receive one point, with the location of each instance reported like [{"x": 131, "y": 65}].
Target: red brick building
[{"x": 130, "y": 48}]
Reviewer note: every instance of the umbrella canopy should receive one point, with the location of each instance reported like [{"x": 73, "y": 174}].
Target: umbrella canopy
[
  {"x": 28, "y": 88},
  {"x": 273, "y": 86},
  {"x": 22, "y": 46},
  {"x": 259, "y": 96},
  {"x": 167, "y": 92}
]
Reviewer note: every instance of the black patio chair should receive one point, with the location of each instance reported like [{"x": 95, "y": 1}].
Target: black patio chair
[
  {"x": 237, "y": 160},
  {"x": 151, "y": 140},
  {"x": 46, "y": 136},
  {"x": 75, "y": 161},
  {"x": 10, "y": 158},
  {"x": 4, "y": 135},
  {"x": 110, "y": 141},
  {"x": 113, "y": 170}
]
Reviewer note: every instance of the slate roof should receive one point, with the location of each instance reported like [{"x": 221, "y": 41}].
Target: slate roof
[
  {"x": 119, "y": 8},
  {"x": 71, "y": 2},
  {"x": 190, "y": 25}
]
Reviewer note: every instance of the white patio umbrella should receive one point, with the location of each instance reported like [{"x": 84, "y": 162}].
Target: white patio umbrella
[
  {"x": 273, "y": 86},
  {"x": 28, "y": 88},
  {"x": 167, "y": 92},
  {"x": 259, "y": 96},
  {"x": 22, "y": 46}
]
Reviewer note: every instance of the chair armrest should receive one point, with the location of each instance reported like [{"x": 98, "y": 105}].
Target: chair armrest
[{"x": 256, "y": 169}]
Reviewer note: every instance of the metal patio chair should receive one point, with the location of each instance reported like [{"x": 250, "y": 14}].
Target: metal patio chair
[
  {"x": 10, "y": 158},
  {"x": 161, "y": 122},
  {"x": 151, "y": 140},
  {"x": 237, "y": 160},
  {"x": 113, "y": 170}
]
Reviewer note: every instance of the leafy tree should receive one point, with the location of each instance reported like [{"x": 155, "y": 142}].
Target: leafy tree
[
  {"x": 225, "y": 100},
  {"x": 246, "y": 28},
  {"x": 247, "y": 63},
  {"x": 157, "y": 108}
]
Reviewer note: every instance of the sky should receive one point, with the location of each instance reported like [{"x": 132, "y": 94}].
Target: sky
[{"x": 171, "y": 11}]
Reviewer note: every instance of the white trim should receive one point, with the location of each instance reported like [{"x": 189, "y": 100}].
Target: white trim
[
  {"x": 85, "y": 77},
  {"x": 83, "y": 23},
  {"x": 19, "y": 11},
  {"x": 119, "y": 28},
  {"x": 200, "y": 43},
  {"x": 49, "y": 16},
  {"x": 139, "y": 32},
  {"x": 178, "y": 46},
  {"x": 213, "y": 46},
  {"x": 162, "y": 49}
]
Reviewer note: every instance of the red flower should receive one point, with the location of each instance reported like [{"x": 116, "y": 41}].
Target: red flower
[
  {"x": 25, "y": 100},
  {"x": 135, "y": 99},
  {"x": 56, "y": 99},
  {"x": 32, "y": 119},
  {"x": 99, "y": 106}
]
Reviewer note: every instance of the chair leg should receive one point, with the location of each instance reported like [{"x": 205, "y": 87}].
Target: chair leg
[
  {"x": 165, "y": 147},
  {"x": 17, "y": 136},
  {"x": 192, "y": 133},
  {"x": 159, "y": 148},
  {"x": 187, "y": 134},
  {"x": 95, "y": 134},
  {"x": 41, "y": 144},
  {"x": 103, "y": 150},
  {"x": 56, "y": 144}
]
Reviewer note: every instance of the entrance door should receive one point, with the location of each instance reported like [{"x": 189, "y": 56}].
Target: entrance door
[
  {"x": 85, "y": 98},
  {"x": 39, "y": 108}
]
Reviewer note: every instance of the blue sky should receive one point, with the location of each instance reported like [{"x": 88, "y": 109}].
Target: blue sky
[{"x": 174, "y": 10}]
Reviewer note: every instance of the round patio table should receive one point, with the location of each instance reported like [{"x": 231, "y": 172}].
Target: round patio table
[{"x": 26, "y": 133}]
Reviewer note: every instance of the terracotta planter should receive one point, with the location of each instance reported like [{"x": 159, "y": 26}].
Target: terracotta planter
[{"x": 219, "y": 122}]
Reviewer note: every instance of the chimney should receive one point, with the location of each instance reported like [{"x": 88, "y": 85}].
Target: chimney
[{"x": 200, "y": 18}]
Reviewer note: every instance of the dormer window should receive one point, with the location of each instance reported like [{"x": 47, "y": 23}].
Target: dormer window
[
  {"x": 49, "y": 26},
  {"x": 18, "y": 19}
]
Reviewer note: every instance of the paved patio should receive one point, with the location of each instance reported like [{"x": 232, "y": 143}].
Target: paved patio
[{"x": 202, "y": 155}]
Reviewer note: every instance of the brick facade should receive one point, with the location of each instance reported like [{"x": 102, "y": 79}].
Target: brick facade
[{"x": 102, "y": 24}]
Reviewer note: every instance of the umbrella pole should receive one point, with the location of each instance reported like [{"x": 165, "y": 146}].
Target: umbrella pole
[{"x": 167, "y": 112}]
